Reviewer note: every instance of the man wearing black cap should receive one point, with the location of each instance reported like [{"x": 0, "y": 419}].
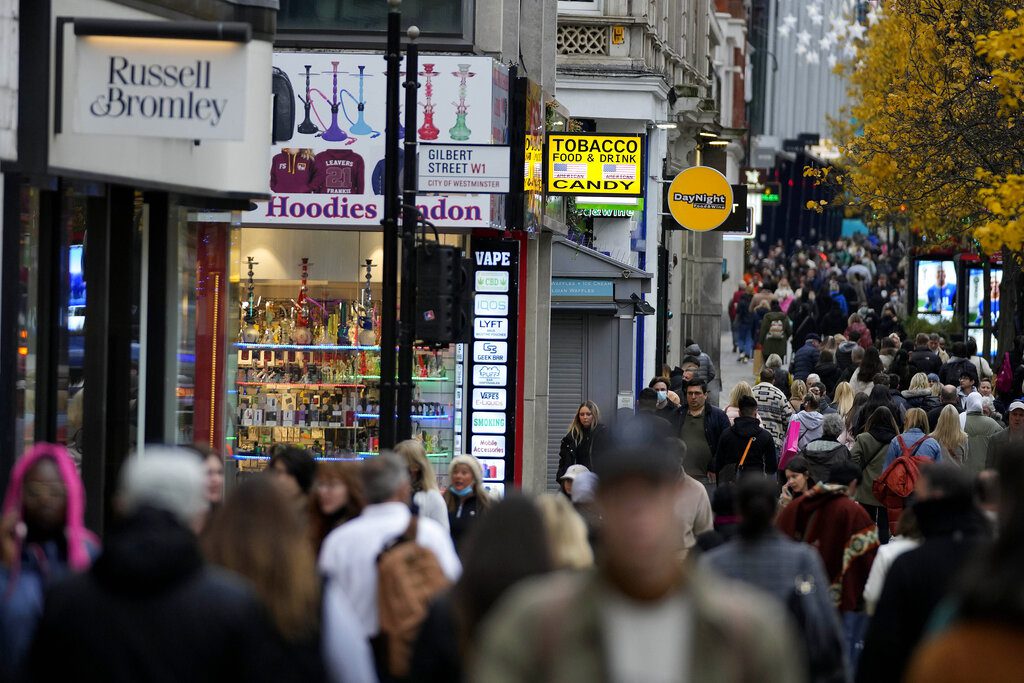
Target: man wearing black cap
[
  {"x": 806, "y": 357},
  {"x": 641, "y": 614}
]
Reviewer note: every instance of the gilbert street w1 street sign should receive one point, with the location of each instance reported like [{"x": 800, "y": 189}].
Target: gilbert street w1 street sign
[
  {"x": 700, "y": 198},
  {"x": 469, "y": 169}
]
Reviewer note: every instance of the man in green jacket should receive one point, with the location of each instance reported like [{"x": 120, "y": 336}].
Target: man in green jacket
[{"x": 642, "y": 614}]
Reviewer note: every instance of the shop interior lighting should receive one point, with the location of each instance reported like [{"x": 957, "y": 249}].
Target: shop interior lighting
[
  {"x": 719, "y": 143},
  {"x": 707, "y": 134},
  {"x": 666, "y": 125}
]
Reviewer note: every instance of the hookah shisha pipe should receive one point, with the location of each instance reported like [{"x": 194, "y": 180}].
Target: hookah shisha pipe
[
  {"x": 460, "y": 131},
  {"x": 301, "y": 333},
  {"x": 307, "y": 127},
  {"x": 428, "y": 131},
  {"x": 334, "y": 133},
  {"x": 360, "y": 127},
  {"x": 366, "y": 334},
  {"x": 250, "y": 333}
]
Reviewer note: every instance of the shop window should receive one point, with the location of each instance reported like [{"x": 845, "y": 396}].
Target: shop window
[
  {"x": 437, "y": 17},
  {"x": 580, "y": 6},
  {"x": 307, "y": 350}
]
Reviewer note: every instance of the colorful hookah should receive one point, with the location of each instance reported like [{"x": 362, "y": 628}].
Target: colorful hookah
[
  {"x": 307, "y": 127},
  {"x": 251, "y": 333},
  {"x": 301, "y": 333},
  {"x": 460, "y": 131},
  {"x": 334, "y": 133},
  {"x": 428, "y": 131},
  {"x": 366, "y": 333},
  {"x": 360, "y": 127}
]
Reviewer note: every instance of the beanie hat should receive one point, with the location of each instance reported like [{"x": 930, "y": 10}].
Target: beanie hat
[
  {"x": 469, "y": 461},
  {"x": 165, "y": 478}
]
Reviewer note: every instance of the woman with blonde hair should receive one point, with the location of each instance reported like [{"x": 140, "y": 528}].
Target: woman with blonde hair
[
  {"x": 919, "y": 395},
  {"x": 578, "y": 443},
  {"x": 566, "y": 531},
  {"x": 843, "y": 399},
  {"x": 739, "y": 391},
  {"x": 466, "y": 499},
  {"x": 425, "y": 494},
  {"x": 797, "y": 392},
  {"x": 951, "y": 437}
]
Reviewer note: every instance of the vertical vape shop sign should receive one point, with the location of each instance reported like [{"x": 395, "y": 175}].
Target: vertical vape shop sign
[
  {"x": 491, "y": 359},
  {"x": 159, "y": 87}
]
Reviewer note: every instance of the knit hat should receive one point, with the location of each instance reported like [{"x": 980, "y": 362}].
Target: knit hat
[
  {"x": 469, "y": 461},
  {"x": 165, "y": 478}
]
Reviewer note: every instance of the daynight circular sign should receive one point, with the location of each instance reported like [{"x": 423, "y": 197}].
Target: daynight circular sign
[{"x": 700, "y": 198}]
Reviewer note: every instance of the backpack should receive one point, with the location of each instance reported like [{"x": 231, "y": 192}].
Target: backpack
[
  {"x": 819, "y": 627},
  {"x": 776, "y": 330},
  {"x": 283, "y": 122},
  {"x": 408, "y": 578},
  {"x": 897, "y": 482},
  {"x": 743, "y": 308}
]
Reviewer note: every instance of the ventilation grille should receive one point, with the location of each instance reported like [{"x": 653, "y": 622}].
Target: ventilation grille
[{"x": 582, "y": 40}]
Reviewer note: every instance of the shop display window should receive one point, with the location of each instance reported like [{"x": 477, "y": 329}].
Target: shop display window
[
  {"x": 28, "y": 309},
  {"x": 307, "y": 351}
]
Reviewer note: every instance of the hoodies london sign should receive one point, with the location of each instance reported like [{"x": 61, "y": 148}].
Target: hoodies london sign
[
  {"x": 156, "y": 87},
  {"x": 700, "y": 198}
]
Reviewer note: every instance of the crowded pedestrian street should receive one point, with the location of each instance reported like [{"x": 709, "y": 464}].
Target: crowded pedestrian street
[{"x": 491, "y": 341}]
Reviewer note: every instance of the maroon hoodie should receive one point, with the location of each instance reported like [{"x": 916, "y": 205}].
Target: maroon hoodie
[
  {"x": 339, "y": 171},
  {"x": 292, "y": 171}
]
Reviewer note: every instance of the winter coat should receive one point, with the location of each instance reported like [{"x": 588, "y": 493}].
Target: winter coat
[
  {"x": 150, "y": 610},
  {"x": 951, "y": 371},
  {"x": 929, "y": 448},
  {"x": 804, "y": 361},
  {"x": 920, "y": 398},
  {"x": 715, "y": 423},
  {"x": 865, "y": 340},
  {"x": 868, "y": 452},
  {"x": 706, "y": 370},
  {"x": 578, "y": 452},
  {"x": 829, "y": 374},
  {"x": 463, "y": 516},
  {"x": 774, "y": 410},
  {"x": 842, "y": 532},
  {"x": 823, "y": 454},
  {"x": 435, "y": 654},
  {"x": 980, "y": 430},
  {"x": 954, "y": 531},
  {"x": 772, "y": 344},
  {"x": 925, "y": 360},
  {"x": 762, "y": 456},
  {"x": 998, "y": 446},
  {"x": 552, "y": 628},
  {"x": 782, "y": 380},
  {"x": 844, "y": 355},
  {"x": 810, "y": 426}
]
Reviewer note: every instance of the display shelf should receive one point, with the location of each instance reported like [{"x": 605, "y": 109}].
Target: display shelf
[
  {"x": 415, "y": 380},
  {"x": 362, "y": 455},
  {"x": 299, "y": 385},
  {"x": 415, "y": 418},
  {"x": 243, "y": 346},
  {"x": 266, "y": 426}
]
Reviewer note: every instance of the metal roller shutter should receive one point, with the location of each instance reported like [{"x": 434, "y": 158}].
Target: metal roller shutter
[{"x": 566, "y": 381}]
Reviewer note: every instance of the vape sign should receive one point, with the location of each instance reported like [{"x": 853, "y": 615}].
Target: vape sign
[{"x": 491, "y": 373}]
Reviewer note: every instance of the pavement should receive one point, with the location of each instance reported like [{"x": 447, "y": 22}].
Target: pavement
[{"x": 732, "y": 371}]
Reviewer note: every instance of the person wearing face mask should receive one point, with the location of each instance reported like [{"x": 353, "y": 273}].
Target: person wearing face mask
[
  {"x": 465, "y": 496},
  {"x": 668, "y": 400},
  {"x": 578, "y": 444}
]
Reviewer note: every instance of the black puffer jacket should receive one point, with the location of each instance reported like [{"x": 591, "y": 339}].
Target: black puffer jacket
[
  {"x": 762, "y": 456},
  {"x": 925, "y": 360},
  {"x": 920, "y": 398},
  {"x": 578, "y": 452},
  {"x": 150, "y": 610},
  {"x": 822, "y": 454}
]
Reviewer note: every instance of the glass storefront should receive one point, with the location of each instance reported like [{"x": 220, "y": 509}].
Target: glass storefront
[
  {"x": 28, "y": 308},
  {"x": 307, "y": 350}
]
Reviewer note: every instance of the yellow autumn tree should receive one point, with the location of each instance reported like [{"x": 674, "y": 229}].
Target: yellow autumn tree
[{"x": 932, "y": 132}]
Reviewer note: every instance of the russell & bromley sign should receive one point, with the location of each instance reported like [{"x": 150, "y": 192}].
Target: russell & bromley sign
[{"x": 159, "y": 87}]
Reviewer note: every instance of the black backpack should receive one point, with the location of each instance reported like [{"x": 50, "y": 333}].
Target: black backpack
[{"x": 284, "y": 106}]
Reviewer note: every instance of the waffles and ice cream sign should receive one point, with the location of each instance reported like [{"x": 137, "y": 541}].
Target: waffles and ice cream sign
[{"x": 160, "y": 87}]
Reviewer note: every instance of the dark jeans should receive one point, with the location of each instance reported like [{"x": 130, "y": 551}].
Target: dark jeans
[{"x": 880, "y": 516}]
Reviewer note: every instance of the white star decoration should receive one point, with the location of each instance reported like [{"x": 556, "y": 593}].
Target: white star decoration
[
  {"x": 789, "y": 21},
  {"x": 804, "y": 38},
  {"x": 857, "y": 31},
  {"x": 874, "y": 16},
  {"x": 813, "y": 58},
  {"x": 801, "y": 49},
  {"x": 826, "y": 42},
  {"x": 783, "y": 31},
  {"x": 832, "y": 61},
  {"x": 815, "y": 15},
  {"x": 850, "y": 51}
]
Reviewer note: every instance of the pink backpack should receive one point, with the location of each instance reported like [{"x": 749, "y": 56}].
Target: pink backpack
[{"x": 1004, "y": 380}]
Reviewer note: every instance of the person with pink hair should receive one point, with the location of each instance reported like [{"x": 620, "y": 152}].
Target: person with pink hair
[{"x": 42, "y": 538}]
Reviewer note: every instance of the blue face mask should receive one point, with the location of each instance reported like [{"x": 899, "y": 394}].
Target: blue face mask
[
  {"x": 461, "y": 493},
  {"x": 662, "y": 396}
]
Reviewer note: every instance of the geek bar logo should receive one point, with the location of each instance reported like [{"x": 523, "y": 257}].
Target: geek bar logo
[{"x": 133, "y": 90}]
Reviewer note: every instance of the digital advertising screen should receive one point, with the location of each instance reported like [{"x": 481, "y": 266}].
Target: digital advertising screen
[
  {"x": 976, "y": 295},
  {"x": 979, "y": 338},
  {"x": 936, "y": 288}
]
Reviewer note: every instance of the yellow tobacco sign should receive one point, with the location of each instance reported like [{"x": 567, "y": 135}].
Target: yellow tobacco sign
[
  {"x": 594, "y": 165},
  {"x": 700, "y": 198}
]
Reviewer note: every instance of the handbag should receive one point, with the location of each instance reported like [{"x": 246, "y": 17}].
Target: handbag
[
  {"x": 791, "y": 444},
  {"x": 730, "y": 472}
]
